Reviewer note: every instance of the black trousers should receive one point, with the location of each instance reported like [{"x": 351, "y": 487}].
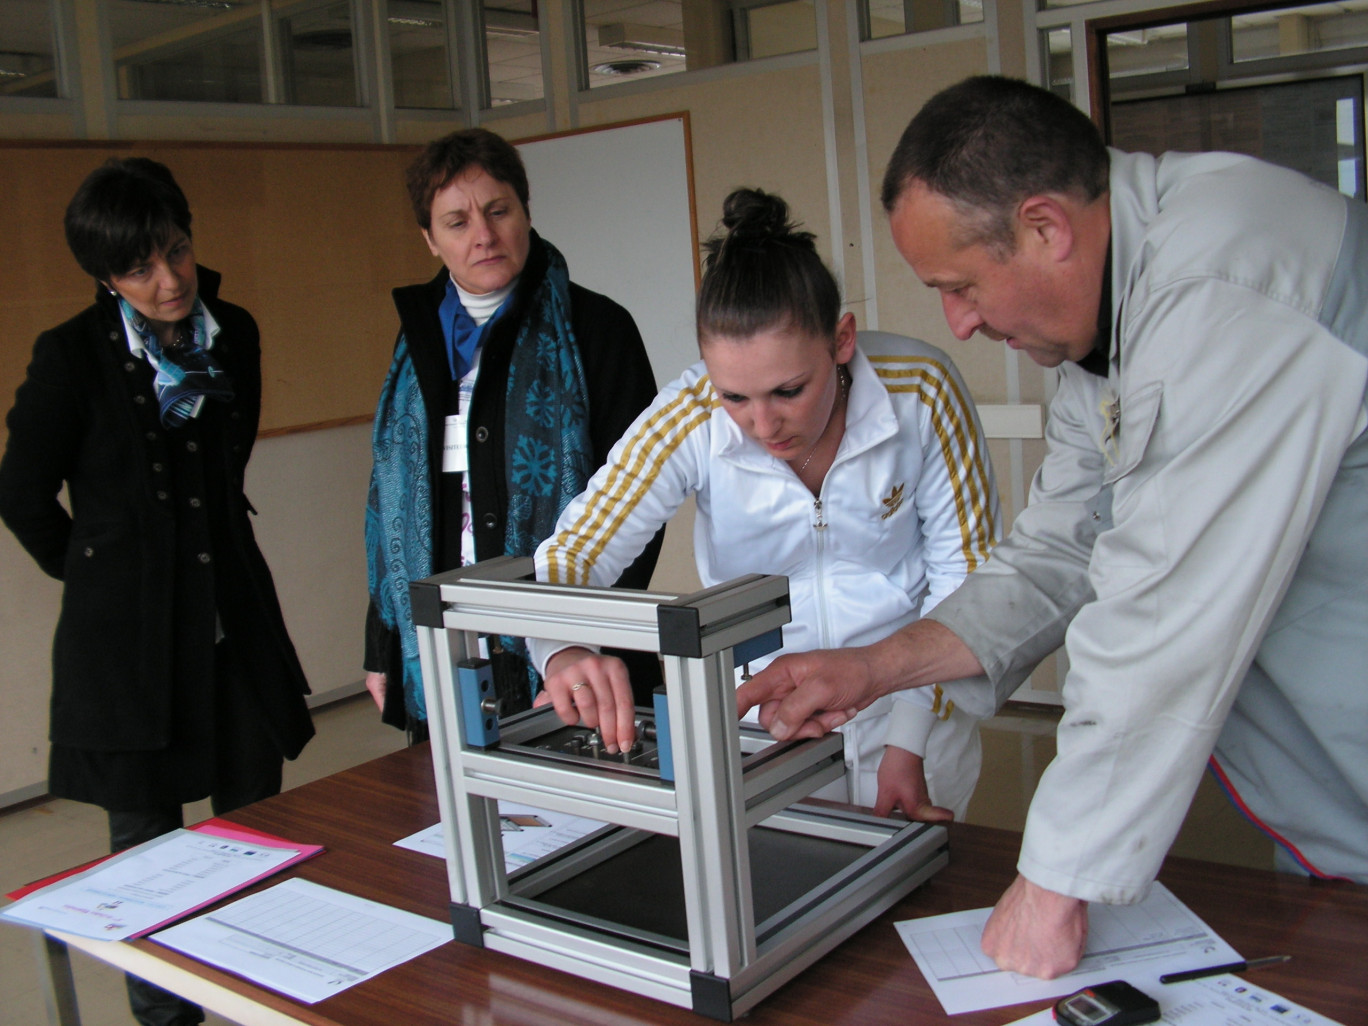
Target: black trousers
[{"x": 247, "y": 768}]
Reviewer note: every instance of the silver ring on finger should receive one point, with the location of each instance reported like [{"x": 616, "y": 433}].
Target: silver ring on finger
[{"x": 576, "y": 687}]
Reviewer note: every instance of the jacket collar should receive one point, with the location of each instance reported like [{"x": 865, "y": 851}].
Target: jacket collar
[{"x": 1134, "y": 200}]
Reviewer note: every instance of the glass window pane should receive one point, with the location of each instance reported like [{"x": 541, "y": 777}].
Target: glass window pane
[
  {"x": 27, "y": 66},
  {"x": 1059, "y": 62},
  {"x": 419, "y": 60},
  {"x": 774, "y": 29},
  {"x": 900, "y": 17},
  {"x": 318, "y": 57},
  {"x": 207, "y": 52},
  {"x": 1349, "y": 139},
  {"x": 886, "y": 18},
  {"x": 1293, "y": 30},
  {"x": 1310, "y": 126},
  {"x": 1147, "y": 51},
  {"x": 513, "y": 51}
]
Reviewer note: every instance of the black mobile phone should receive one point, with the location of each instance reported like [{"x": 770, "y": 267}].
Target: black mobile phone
[{"x": 1107, "y": 1004}]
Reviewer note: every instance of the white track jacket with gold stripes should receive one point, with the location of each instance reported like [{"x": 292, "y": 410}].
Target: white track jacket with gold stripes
[{"x": 908, "y": 508}]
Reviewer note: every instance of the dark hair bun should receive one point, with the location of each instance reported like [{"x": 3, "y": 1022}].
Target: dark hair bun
[
  {"x": 752, "y": 212},
  {"x": 752, "y": 216}
]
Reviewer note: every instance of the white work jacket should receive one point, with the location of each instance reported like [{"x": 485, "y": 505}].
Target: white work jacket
[
  {"x": 1200, "y": 529},
  {"x": 908, "y": 507}
]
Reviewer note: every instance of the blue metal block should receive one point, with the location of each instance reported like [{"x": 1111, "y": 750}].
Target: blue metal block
[
  {"x": 760, "y": 645},
  {"x": 664, "y": 752},
  {"x": 479, "y": 702}
]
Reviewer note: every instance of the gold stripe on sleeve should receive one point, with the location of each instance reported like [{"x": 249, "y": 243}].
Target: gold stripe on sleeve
[
  {"x": 573, "y": 553},
  {"x": 932, "y": 383}
]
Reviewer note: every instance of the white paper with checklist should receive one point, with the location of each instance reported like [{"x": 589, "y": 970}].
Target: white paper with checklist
[
  {"x": 305, "y": 940},
  {"x": 1136, "y": 943}
]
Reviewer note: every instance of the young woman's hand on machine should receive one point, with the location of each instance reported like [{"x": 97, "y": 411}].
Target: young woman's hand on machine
[{"x": 595, "y": 690}]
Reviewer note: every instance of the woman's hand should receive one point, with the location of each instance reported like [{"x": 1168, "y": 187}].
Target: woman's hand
[
  {"x": 376, "y": 683},
  {"x": 902, "y": 786},
  {"x": 585, "y": 686}
]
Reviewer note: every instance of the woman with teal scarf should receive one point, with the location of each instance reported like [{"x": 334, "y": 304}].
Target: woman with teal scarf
[{"x": 508, "y": 386}]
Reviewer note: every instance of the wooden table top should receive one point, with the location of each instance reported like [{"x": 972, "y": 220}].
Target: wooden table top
[{"x": 359, "y": 814}]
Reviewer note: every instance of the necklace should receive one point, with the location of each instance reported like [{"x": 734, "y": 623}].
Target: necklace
[
  {"x": 845, "y": 390},
  {"x": 182, "y": 338}
]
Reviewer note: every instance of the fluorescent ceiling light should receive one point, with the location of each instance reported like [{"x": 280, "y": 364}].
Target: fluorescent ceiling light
[
  {"x": 415, "y": 14},
  {"x": 513, "y": 24},
  {"x": 217, "y": 5},
  {"x": 642, "y": 39}
]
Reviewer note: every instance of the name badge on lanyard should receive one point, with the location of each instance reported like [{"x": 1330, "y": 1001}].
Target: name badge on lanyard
[{"x": 455, "y": 450}]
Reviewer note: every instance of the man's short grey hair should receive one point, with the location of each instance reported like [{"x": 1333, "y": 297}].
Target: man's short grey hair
[{"x": 988, "y": 143}]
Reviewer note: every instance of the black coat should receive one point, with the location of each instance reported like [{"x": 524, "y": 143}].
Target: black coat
[
  {"x": 153, "y": 512},
  {"x": 621, "y": 385}
]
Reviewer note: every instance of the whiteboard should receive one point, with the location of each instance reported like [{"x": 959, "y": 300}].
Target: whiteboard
[{"x": 617, "y": 202}]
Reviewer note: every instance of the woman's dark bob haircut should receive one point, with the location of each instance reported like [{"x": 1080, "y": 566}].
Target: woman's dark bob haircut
[
  {"x": 762, "y": 273},
  {"x": 445, "y": 158},
  {"x": 124, "y": 211}
]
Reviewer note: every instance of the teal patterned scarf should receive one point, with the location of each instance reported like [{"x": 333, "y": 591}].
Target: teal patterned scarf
[{"x": 548, "y": 458}]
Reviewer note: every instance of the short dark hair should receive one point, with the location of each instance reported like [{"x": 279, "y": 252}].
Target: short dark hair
[
  {"x": 125, "y": 210},
  {"x": 445, "y": 158},
  {"x": 989, "y": 142},
  {"x": 762, "y": 272}
]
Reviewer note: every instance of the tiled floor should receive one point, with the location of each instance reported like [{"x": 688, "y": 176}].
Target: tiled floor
[{"x": 44, "y": 838}]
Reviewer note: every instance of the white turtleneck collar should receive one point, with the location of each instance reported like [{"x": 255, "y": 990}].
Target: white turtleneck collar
[{"x": 482, "y": 307}]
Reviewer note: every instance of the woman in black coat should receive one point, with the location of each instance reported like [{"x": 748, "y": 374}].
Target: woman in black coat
[{"x": 173, "y": 675}]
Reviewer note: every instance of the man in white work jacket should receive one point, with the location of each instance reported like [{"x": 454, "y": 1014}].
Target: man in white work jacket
[{"x": 1199, "y": 526}]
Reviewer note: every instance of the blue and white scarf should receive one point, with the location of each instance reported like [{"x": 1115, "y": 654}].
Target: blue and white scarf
[
  {"x": 548, "y": 457},
  {"x": 186, "y": 377}
]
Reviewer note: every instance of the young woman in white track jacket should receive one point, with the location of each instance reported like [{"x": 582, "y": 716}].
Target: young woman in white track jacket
[{"x": 856, "y": 468}]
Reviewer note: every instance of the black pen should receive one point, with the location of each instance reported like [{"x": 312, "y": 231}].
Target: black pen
[{"x": 1216, "y": 970}]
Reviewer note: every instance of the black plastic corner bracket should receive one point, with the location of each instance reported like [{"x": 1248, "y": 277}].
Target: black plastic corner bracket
[
  {"x": 425, "y": 597},
  {"x": 465, "y": 925},
  {"x": 711, "y": 995},
  {"x": 681, "y": 633}
]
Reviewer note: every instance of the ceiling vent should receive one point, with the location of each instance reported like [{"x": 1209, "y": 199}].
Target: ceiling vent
[{"x": 626, "y": 66}]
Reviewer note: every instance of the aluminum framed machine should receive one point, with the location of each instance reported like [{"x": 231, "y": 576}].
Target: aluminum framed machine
[{"x": 712, "y": 883}]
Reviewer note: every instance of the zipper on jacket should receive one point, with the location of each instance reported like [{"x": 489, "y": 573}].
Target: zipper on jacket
[{"x": 819, "y": 575}]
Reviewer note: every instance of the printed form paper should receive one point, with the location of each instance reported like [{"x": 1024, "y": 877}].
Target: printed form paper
[
  {"x": 1136, "y": 943},
  {"x": 528, "y": 834},
  {"x": 149, "y": 885},
  {"x": 305, "y": 940},
  {"x": 1226, "y": 1000}
]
